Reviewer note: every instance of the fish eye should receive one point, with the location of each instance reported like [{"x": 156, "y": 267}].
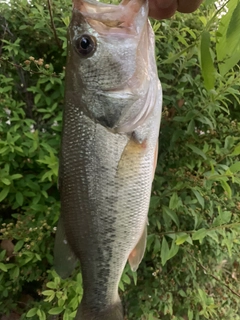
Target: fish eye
[{"x": 85, "y": 45}]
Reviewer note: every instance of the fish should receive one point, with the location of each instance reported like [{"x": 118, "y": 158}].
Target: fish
[{"x": 109, "y": 149}]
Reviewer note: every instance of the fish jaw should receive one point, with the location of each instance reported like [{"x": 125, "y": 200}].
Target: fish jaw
[
  {"x": 114, "y": 83},
  {"x": 125, "y": 18}
]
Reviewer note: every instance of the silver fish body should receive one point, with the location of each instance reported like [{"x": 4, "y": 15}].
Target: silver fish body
[{"x": 108, "y": 151}]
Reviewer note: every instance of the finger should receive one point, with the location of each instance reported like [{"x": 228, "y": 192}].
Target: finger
[
  {"x": 159, "y": 10},
  {"x": 187, "y": 6},
  {"x": 163, "y": 4}
]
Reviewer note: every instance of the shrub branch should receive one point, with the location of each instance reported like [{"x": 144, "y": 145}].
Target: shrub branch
[
  {"x": 213, "y": 276},
  {"x": 53, "y": 25}
]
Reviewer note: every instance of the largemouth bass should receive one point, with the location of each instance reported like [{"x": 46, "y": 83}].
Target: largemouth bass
[{"x": 109, "y": 149}]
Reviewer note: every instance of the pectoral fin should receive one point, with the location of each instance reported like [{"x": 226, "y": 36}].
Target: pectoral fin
[
  {"x": 155, "y": 159},
  {"x": 64, "y": 259},
  {"x": 137, "y": 254}
]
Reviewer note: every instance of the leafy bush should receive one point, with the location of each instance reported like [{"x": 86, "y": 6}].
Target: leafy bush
[{"x": 191, "y": 266}]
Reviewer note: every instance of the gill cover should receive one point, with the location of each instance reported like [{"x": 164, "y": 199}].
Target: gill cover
[{"x": 108, "y": 48}]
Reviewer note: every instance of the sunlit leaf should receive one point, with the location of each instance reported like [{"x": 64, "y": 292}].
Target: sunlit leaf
[{"x": 207, "y": 66}]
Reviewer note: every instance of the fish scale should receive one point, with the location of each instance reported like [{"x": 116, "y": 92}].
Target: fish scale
[
  {"x": 106, "y": 171},
  {"x": 92, "y": 184}
]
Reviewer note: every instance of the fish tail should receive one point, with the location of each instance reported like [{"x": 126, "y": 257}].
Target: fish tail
[{"x": 113, "y": 312}]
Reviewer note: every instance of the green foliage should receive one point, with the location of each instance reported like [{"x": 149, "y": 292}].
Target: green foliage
[
  {"x": 191, "y": 267},
  {"x": 228, "y": 46}
]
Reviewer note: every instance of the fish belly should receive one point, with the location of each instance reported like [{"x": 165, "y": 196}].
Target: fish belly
[{"x": 105, "y": 185}]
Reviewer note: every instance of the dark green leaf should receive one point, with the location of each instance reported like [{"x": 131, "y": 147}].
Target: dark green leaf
[
  {"x": 4, "y": 193},
  {"x": 173, "y": 203},
  {"x": 19, "y": 198},
  {"x": 171, "y": 214},
  {"x": 18, "y": 245},
  {"x": 164, "y": 251},
  {"x": 199, "y": 198},
  {"x": 197, "y": 151}
]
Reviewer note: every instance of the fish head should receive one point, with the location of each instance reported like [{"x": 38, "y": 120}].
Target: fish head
[{"x": 109, "y": 66}]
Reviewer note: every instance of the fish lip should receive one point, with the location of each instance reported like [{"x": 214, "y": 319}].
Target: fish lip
[{"x": 113, "y": 19}]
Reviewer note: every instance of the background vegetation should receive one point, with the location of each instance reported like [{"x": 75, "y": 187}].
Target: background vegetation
[{"x": 191, "y": 268}]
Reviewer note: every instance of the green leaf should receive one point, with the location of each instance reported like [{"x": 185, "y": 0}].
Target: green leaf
[
  {"x": 212, "y": 234},
  {"x": 4, "y": 149},
  {"x": 236, "y": 152},
  {"x": 181, "y": 238},
  {"x": 15, "y": 272},
  {"x": 171, "y": 214},
  {"x": 19, "y": 198},
  {"x": 66, "y": 21},
  {"x": 66, "y": 316},
  {"x": 226, "y": 188},
  {"x": 224, "y": 217},
  {"x": 37, "y": 98},
  {"x": 126, "y": 279},
  {"x": 32, "y": 312},
  {"x": 197, "y": 151},
  {"x": 199, "y": 234},
  {"x": 41, "y": 314},
  {"x": 134, "y": 275},
  {"x": 121, "y": 286},
  {"x": 4, "y": 193},
  {"x": 209, "y": 2},
  {"x": 18, "y": 245},
  {"x": 199, "y": 198},
  {"x": 73, "y": 304},
  {"x": 52, "y": 285},
  {"x": 154, "y": 202},
  {"x": 56, "y": 310},
  {"x": 176, "y": 56},
  {"x": 164, "y": 251},
  {"x": 2, "y": 254},
  {"x": 157, "y": 245},
  {"x": 16, "y": 176},
  {"x": 3, "y": 267},
  {"x": 229, "y": 142},
  {"x": 232, "y": 34},
  {"x": 190, "y": 314},
  {"x": 207, "y": 66},
  {"x": 173, "y": 250},
  {"x": 48, "y": 292},
  {"x": 235, "y": 167},
  {"x": 173, "y": 203},
  {"x": 6, "y": 181},
  {"x": 228, "y": 44}
]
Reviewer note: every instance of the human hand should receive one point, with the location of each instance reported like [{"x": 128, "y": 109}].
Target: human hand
[{"x": 162, "y": 9}]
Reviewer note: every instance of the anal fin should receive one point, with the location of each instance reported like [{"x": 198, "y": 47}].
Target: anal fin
[
  {"x": 64, "y": 259},
  {"x": 137, "y": 253}
]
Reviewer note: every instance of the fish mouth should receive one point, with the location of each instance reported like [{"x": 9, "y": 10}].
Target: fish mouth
[{"x": 114, "y": 19}]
